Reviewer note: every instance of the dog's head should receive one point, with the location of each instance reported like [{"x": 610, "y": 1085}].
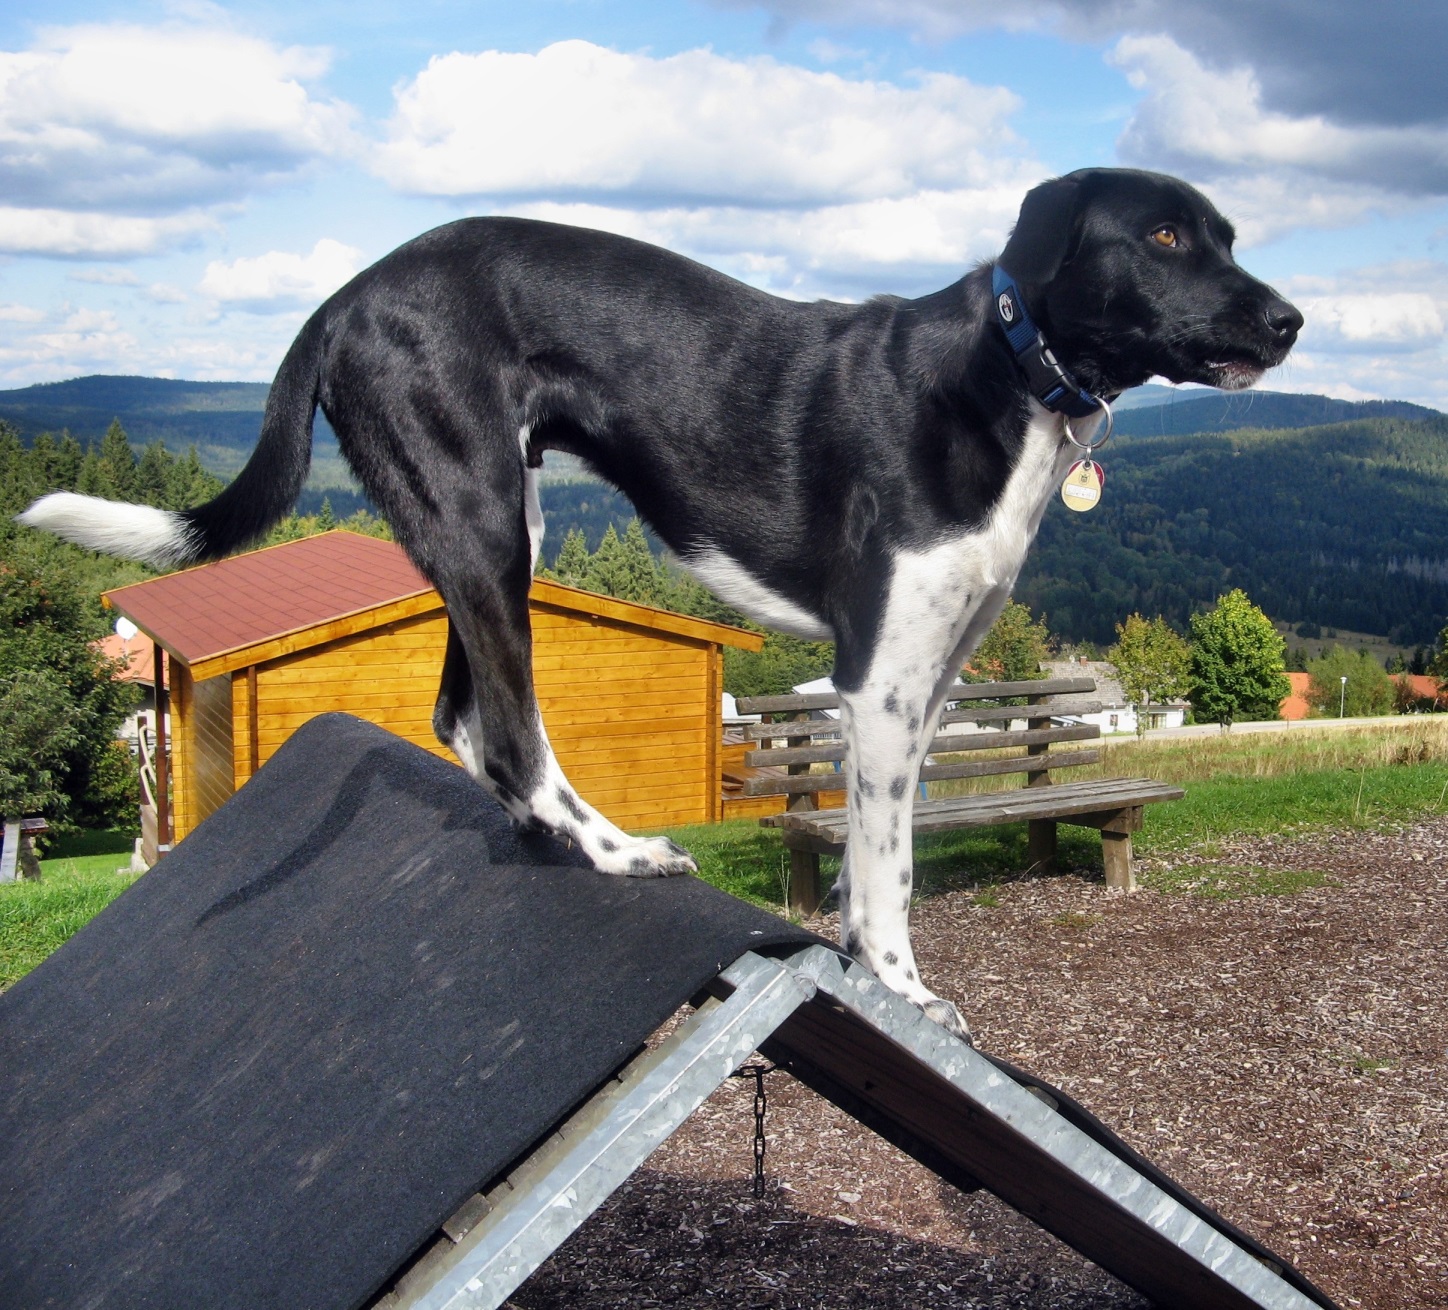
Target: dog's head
[{"x": 1130, "y": 275}]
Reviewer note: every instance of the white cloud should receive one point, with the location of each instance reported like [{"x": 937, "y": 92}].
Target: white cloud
[
  {"x": 280, "y": 280},
  {"x": 1403, "y": 320},
  {"x": 1272, "y": 171},
  {"x": 133, "y": 131},
  {"x": 122, "y": 115},
  {"x": 577, "y": 120},
  {"x": 106, "y": 277},
  {"x": 21, "y": 314},
  {"x": 1387, "y": 343},
  {"x": 62, "y": 233},
  {"x": 929, "y": 238}
]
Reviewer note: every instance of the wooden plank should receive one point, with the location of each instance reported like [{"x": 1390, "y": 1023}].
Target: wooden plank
[
  {"x": 648, "y": 689},
  {"x": 959, "y": 691},
  {"x": 1015, "y": 764},
  {"x": 948, "y": 744},
  {"x": 1068, "y": 802},
  {"x": 179, "y": 698},
  {"x": 318, "y": 634},
  {"x": 713, "y": 772},
  {"x": 792, "y": 703},
  {"x": 351, "y": 700},
  {"x": 982, "y": 714},
  {"x": 778, "y": 731},
  {"x": 810, "y": 782},
  {"x": 1007, "y": 713},
  {"x": 570, "y": 600}
]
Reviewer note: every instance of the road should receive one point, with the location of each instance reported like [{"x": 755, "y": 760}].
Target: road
[{"x": 1275, "y": 725}]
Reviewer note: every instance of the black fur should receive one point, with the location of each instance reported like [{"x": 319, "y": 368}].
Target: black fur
[{"x": 811, "y": 445}]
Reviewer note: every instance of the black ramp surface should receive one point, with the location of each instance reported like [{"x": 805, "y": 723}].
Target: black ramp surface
[{"x": 271, "y": 1068}]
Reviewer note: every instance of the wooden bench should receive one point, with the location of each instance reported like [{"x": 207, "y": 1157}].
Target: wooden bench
[{"x": 806, "y": 736}]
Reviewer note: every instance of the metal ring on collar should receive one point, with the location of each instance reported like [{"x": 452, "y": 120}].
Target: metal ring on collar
[{"x": 1089, "y": 446}]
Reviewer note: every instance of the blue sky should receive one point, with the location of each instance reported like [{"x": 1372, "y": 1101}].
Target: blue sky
[{"x": 180, "y": 184}]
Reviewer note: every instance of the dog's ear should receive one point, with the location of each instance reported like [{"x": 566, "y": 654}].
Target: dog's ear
[{"x": 1043, "y": 232}]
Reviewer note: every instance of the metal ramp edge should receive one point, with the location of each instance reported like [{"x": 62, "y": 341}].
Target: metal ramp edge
[{"x": 843, "y": 1033}]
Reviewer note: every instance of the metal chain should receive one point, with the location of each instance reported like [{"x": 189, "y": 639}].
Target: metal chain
[{"x": 761, "y": 1104}]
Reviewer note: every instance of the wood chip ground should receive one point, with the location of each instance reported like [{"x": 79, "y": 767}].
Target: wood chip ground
[{"x": 1284, "y": 1055}]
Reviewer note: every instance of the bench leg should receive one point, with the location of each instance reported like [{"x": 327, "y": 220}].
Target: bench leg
[
  {"x": 804, "y": 882},
  {"x": 1116, "y": 855},
  {"x": 1041, "y": 845}
]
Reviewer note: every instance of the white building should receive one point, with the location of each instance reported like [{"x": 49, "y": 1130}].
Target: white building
[{"x": 1117, "y": 714}]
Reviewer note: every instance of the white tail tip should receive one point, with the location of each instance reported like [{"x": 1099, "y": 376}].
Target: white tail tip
[{"x": 159, "y": 537}]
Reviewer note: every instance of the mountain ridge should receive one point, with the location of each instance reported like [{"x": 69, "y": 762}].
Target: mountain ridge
[{"x": 1339, "y": 523}]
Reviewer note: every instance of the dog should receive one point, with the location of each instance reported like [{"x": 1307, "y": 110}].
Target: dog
[{"x": 871, "y": 473}]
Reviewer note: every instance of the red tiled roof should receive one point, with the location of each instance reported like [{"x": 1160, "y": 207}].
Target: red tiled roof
[
  {"x": 139, "y": 654},
  {"x": 202, "y": 612},
  {"x": 1296, "y": 705},
  {"x": 1422, "y": 684}
]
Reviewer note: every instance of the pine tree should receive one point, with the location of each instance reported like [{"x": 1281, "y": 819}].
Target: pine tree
[
  {"x": 68, "y": 457},
  {"x": 571, "y": 566},
  {"x": 189, "y": 483},
  {"x": 326, "y": 520},
  {"x": 153, "y": 475},
  {"x": 606, "y": 568},
  {"x": 643, "y": 580},
  {"x": 93, "y": 479},
  {"x": 119, "y": 461}
]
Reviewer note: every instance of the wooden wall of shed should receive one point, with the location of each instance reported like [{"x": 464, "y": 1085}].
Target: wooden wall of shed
[
  {"x": 632, "y": 714},
  {"x": 202, "y": 747},
  {"x": 387, "y": 675}
]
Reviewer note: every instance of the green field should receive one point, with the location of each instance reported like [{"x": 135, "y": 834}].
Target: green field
[
  {"x": 1237, "y": 785},
  {"x": 82, "y": 874}
]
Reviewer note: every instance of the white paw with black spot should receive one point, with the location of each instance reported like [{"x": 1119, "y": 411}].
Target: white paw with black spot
[{"x": 647, "y": 857}]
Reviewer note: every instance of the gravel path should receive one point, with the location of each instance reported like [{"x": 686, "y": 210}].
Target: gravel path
[{"x": 1284, "y": 1056}]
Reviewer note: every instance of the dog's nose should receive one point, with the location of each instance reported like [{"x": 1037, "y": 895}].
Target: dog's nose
[{"x": 1283, "y": 320}]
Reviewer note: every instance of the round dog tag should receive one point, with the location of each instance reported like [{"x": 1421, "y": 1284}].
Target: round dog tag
[{"x": 1082, "y": 488}]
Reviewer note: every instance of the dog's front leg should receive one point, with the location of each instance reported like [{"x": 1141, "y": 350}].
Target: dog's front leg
[{"x": 885, "y": 730}]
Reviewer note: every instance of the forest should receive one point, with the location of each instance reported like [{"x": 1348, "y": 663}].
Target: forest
[{"x": 1339, "y": 525}]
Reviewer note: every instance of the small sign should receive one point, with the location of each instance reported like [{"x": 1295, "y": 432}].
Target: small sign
[{"x": 1082, "y": 488}]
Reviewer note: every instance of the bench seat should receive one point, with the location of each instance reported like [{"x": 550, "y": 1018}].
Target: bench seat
[{"x": 797, "y": 747}]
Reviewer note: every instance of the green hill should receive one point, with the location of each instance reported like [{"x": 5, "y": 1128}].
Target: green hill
[
  {"x": 222, "y": 419},
  {"x": 1345, "y": 525},
  {"x": 1323, "y": 510},
  {"x": 1156, "y": 411}
]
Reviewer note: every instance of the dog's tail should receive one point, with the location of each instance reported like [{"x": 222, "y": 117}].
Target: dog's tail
[{"x": 256, "y": 498}]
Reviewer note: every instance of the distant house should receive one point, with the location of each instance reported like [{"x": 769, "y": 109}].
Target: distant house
[
  {"x": 1295, "y": 705},
  {"x": 1117, "y": 714},
  {"x": 1426, "y": 691},
  {"x": 139, "y": 654},
  {"x": 257, "y": 644}
]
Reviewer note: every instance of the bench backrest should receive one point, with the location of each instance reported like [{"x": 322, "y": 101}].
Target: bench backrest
[{"x": 805, "y": 735}]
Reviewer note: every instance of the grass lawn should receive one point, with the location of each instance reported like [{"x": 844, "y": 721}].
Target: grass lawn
[
  {"x": 1292, "y": 782},
  {"x": 78, "y": 878},
  {"x": 1237, "y": 785}
]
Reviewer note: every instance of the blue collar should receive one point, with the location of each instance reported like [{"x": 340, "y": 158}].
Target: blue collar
[{"x": 1048, "y": 380}]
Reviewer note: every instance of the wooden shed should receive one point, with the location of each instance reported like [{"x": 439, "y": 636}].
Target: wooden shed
[{"x": 259, "y": 643}]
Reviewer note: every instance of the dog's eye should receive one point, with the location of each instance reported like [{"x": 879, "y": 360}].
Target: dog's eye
[{"x": 1166, "y": 235}]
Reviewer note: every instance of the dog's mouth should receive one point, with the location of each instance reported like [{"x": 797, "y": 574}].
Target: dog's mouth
[{"x": 1234, "y": 374}]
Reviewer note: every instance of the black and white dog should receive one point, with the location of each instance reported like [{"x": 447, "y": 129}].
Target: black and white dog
[{"x": 872, "y": 474}]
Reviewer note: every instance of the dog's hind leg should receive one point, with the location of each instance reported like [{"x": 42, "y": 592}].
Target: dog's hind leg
[{"x": 487, "y": 713}]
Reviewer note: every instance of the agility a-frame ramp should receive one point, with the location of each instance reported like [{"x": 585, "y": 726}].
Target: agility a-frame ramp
[{"x": 354, "y": 1043}]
